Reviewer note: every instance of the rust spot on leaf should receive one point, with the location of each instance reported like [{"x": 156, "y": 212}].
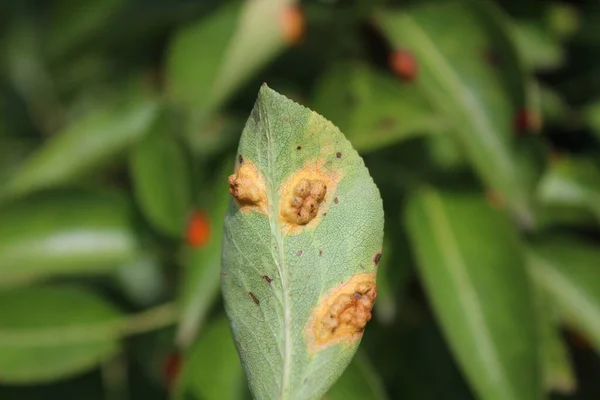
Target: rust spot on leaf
[
  {"x": 247, "y": 186},
  {"x": 304, "y": 194},
  {"x": 341, "y": 316},
  {"x": 267, "y": 279}
]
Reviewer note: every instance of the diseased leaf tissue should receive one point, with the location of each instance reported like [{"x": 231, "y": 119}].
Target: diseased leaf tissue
[{"x": 302, "y": 239}]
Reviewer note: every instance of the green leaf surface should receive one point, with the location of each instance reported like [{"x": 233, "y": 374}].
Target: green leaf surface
[
  {"x": 48, "y": 313},
  {"x": 358, "y": 382},
  {"x": 557, "y": 368},
  {"x": 201, "y": 280},
  {"x": 572, "y": 183},
  {"x": 374, "y": 110},
  {"x": 568, "y": 270},
  {"x": 469, "y": 258},
  {"x": 212, "y": 369},
  {"x": 281, "y": 278},
  {"x": 209, "y": 59},
  {"x": 86, "y": 144},
  {"x": 537, "y": 46},
  {"x": 161, "y": 180},
  {"x": 592, "y": 116},
  {"x": 65, "y": 232},
  {"x": 473, "y": 85}
]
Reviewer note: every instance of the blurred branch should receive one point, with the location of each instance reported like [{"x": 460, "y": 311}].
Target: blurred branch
[{"x": 145, "y": 321}]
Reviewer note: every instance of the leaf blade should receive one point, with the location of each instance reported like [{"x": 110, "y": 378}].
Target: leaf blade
[
  {"x": 493, "y": 338},
  {"x": 277, "y": 275}
]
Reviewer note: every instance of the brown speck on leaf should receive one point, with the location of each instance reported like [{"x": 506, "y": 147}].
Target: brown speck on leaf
[
  {"x": 377, "y": 258},
  {"x": 253, "y": 297},
  {"x": 240, "y": 159},
  {"x": 336, "y": 201},
  {"x": 338, "y": 154},
  {"x": 267, "y": 279},
  {"x": 320, "y": 253},
  {"x": 223, "y": 273},
  {"x": 324, "y": 214},
  {"x": 299, "y": 252},
  {"x": 299, "y": 148}
]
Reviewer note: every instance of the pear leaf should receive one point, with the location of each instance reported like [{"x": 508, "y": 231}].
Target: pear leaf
[{"x": 301, "y": 243}]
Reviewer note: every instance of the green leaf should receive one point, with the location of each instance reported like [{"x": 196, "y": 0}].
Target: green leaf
[
  {"x": 374, "y": 110},
  {"x": 201, "y": 279},
  {"x": 49, "y": 314},
  {"x": 359, "y": 381},
  {"x": 211, "y": 369},
  {"x": 161, "y": 179},
  {"x": 65, "y": 232},
  {"x": 290, "y": 275},
  {"x": 235, "y": 42},
  {"x": 537, "y": 46},
  {"x": 452, "y": 44},
  {"x": 572, "y": 183},
  {"x": 557, "y": 369},
  {"x": 86, "y": 144},
  {"x": 469, "y": 259},
  {"x": 592, "y": 116},
  {"x": 568, "y": 270}
]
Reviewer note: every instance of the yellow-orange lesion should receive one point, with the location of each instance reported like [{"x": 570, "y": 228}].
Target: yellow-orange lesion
[
  {"x": 343, "y": 315},
  {"x": 303, "y": 206},
  {"x": 247, "y": 186},
  {"x": 305, "y": 195}
]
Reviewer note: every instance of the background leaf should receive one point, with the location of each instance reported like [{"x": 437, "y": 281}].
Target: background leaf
[
  {"x": 568, "y": 270},
  {"x": 161, "y": 179},
  {"x": 42, "y": 311},
  {"x": 466, "y": 89},
  {"x": 492, "y": 335},
  {"x": 66, "y": 232}
]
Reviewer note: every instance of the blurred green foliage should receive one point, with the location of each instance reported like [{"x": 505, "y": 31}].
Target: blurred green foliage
[{"x": 478, "y": 120}]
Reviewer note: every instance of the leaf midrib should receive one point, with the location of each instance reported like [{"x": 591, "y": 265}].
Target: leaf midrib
[{"x": 275, "y": 227}]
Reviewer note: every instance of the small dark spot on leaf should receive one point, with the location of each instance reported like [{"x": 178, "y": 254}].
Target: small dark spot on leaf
[
  {"x": 350, "y": 99},
  {"x": 321, "y": 253},
  {"x": 267, "y": 279},
  {"x": 299, "y": 148},
  {"x": 336, "y": 201},
  {"x": 357, "y": 295},
  {"x": 377, "y": 258},
  {"x": 299, "y": 252},
  {"x": 387, "y": 123},
  {"x": 240, "y": 159},
  {"x": 223, "y": 273},
  {"x": 253, "y": 297},
  {"x": 492, "y": 58},
  {"x": 324, "y": 214},
  {"x": 362, "y": 266},
  {"x": 338, "y": 154}
]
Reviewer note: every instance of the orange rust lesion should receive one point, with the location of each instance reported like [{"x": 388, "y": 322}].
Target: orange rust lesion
[
  {"x": 306, "y": 195},
  {"x": 248, "y": 188},
  {"x": 342, "y": 315}
]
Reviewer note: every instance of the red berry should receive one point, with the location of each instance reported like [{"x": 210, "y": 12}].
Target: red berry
[
  {"x": 527, "y": 121},
  {"x": 403, "y": 64},
  {"x": 292, "y": 23},
  {"x": 198, "y": 230},
  {"x": 171, "y": 368}
]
